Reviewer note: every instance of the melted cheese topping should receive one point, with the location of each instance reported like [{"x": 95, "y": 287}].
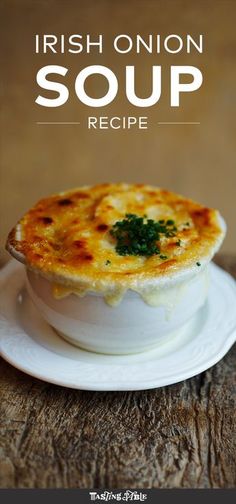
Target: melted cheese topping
[{"x": 66, "y": 238}]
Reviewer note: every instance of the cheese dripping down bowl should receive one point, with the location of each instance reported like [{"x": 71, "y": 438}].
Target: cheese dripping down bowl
[{"x": 117, "y": 268}]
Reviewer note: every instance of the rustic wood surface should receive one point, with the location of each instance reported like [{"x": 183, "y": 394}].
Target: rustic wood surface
[{"x": 183, "y": 435}]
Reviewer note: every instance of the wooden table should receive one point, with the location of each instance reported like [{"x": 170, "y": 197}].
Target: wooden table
[{"x": 177, "y": 436}]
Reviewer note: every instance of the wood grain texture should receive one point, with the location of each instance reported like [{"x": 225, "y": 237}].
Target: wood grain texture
[{"x": 183, "y": 435}]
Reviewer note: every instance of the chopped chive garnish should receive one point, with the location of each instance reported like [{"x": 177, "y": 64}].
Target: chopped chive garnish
[
  {"x": 108, "y": 262},
  {"x": 198, "y": 263},
  {"x": 163, "y": 257},
  {"x": 139, "y": 235}
]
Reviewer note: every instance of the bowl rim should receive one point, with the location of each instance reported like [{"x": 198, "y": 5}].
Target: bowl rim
[{"x": 139, "y": 280}]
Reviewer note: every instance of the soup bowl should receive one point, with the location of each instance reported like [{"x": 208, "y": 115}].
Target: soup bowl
[{"x": 131, "y": 327}]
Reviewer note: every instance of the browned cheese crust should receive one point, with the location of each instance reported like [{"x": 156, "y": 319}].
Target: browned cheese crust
[{"x": 67, "y": 235}]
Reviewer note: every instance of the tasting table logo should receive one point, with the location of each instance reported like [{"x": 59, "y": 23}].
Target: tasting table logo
[
  {"x": 53, "y": 91},
  {"x": 127, "y": 495}
]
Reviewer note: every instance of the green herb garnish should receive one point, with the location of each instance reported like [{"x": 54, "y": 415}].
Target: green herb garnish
[
  {"x": 198, "y": 263},
  {"x": 108, "y": 262},
  {"x": 139, "y": 235},
  {"x": 178, "y": 243}
]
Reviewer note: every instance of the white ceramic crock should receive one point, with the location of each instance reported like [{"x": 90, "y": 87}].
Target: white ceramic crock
[{"x": 131, "y": 327}]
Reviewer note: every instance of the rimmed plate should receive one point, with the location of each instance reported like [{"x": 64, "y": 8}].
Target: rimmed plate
[{"x": 31, "y": 345}]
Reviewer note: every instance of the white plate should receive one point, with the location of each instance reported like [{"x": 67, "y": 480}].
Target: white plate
[{"x": 31, "y": 345}]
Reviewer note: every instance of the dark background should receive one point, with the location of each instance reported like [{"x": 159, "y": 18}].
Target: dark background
[{"x": 195, "y": 160}]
